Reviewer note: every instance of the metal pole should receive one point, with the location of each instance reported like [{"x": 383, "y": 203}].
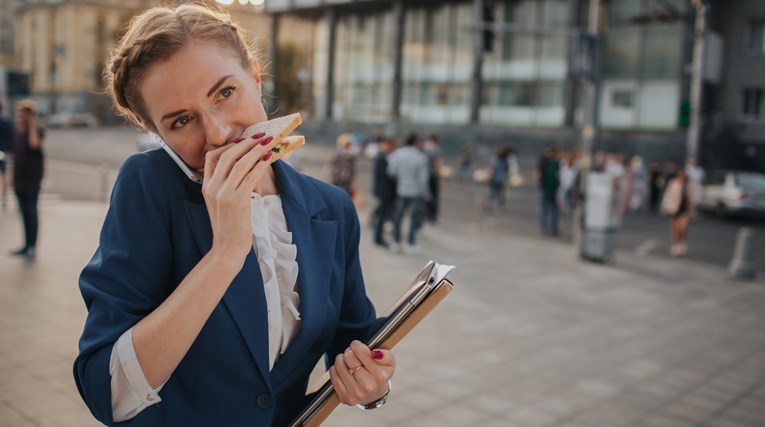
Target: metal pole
[
  {"x": 398, "y": 49},
  {"x": 697, "y": 80},
  {"x": 588, "y": 129},
  {"x": 273, "y": 51},
  {"x": 478, "y": 53},
  {"x": 330, "y": 94}
]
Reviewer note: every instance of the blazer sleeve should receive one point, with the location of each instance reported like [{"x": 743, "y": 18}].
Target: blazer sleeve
[
  {"x": 358, "y": 319},
  {"x": 126, "y": 279}
]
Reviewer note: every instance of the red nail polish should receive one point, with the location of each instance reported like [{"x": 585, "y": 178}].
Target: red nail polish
[
  {"x": 238, "y": 140},
  {"x": 266, "y": 157},
  {"x": 267, "y": 140},
  {"x": 258, "y": 135},
  {"x": 377, "y": 354}
]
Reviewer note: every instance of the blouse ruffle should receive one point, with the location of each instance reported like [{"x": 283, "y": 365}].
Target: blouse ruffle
[{"x": 277, "y": 257}]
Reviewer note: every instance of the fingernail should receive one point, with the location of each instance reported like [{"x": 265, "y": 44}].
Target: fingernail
[
  {"x": 238, "y": 140},
  {"x": 258, "y": 135},
  {"x": 267, "y": 140},
  {"x": 377, "y": 354},
  {"x": 266, "y": 156}
]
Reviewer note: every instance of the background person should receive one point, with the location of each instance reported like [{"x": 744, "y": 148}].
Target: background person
[
  {"x": 548, "y": 179},
  {"x": 499, "y": 173},
  {"x": 435, "y": 182},
  {"x": 28, "y": 168},
  {"x": 6, "y": 136},
  {"x": 408, "y": 165},
  {"x": 678, "y": 205},
  {"x": 212, "y": 306},
  {"x": 384, "y": 188}
]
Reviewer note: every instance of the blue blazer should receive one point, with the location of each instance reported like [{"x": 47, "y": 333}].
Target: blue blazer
[{"x": 156, "y": 230}]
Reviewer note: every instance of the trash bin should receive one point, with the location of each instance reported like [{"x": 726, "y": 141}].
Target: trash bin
[{"x": 598, "y": 239}]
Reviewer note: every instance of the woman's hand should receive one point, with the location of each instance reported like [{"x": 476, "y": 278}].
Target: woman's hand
[
  {"x": 231, "y": 173},
  {"x": 360, "y": 375}
]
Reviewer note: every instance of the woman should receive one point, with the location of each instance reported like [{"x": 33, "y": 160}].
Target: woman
[
  {"x": 27, "y": 152},
  {"x": 217, "y": 299},
  {"x": 498, "y": 176},
  {"x": 678, "y": 204},
  {"x": 343, "y": 164}
]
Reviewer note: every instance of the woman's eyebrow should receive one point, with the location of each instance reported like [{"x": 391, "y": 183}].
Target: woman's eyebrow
[
  {"x": 169, "y": 115},
  {"x": 218, "y": 84}
]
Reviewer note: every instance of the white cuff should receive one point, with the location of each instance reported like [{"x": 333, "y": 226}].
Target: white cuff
[{"x": 131, "y": 392}]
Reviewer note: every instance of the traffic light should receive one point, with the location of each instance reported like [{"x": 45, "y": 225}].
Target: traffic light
[
  {"x": 488, "y": 19},
  {"x": 684, "y": 118}
]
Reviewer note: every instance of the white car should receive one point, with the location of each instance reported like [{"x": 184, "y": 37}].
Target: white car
[
  {"x": 69, "y": 119},
  {"x": 729, "y": 192}
]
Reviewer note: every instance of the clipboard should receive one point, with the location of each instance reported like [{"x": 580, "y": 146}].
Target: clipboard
[{"x": 428, "y": 289}]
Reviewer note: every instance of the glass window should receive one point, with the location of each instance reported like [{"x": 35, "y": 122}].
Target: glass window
[
  {"x": 623, "y": 11},
  {"x": 622, "y": 52},
  {"x": 517, "y": 94},
  {"x": 623, "y": 99},
  {"x": 555, "y": 12},
  {"x": 757, "y": 36},
  {"x": 663, "y": 51},
  {"x": 550, "y": 94},
  {"x": 754, "y": 104}
]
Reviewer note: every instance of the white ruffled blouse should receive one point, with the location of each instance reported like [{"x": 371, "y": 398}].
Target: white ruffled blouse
[{"x": 277, "y": 257}]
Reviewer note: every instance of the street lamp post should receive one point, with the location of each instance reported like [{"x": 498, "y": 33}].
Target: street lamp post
[{"x": 697, "y": 79}]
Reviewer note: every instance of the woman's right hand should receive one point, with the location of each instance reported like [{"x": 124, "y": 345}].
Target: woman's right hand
[{"x": 231, "y": 173}]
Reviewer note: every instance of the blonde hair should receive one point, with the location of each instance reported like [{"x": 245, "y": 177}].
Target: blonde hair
[{"x": 155, "y": 35}]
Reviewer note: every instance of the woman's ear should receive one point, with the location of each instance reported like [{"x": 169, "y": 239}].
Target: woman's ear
[{"x": 255, "y": 72}]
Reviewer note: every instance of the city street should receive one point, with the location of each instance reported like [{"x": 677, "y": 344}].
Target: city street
[
  {"x": 88, "y": 160},
  {"x": 530, "y": 337}
]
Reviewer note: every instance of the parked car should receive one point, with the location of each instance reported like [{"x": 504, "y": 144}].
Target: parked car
[
  {"x": 730, "y": 192},
  {"x": 69, "y": 119}
]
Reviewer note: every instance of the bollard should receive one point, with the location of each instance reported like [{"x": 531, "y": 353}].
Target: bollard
[{"x": 742, "y": 264}]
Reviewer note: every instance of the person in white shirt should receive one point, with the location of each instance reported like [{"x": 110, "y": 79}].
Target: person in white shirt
[
  {"x": 210, "y": 304},
  {"x": 409, "y": 166}
]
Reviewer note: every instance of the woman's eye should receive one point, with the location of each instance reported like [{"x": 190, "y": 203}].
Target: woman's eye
[
  {"x": 227, "y": 91},
  {"x": 180, "y": 121}
]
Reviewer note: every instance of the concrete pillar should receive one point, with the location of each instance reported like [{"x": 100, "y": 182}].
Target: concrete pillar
[{"x": 742, "y": 264}]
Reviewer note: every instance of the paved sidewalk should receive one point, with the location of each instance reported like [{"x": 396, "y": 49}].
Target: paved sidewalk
[{"x": 530, "y": 337}]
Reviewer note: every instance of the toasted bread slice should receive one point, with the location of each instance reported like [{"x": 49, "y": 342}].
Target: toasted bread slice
[
  {"x": 288, "y": 145},
  {"x": 277, "y": 128}
]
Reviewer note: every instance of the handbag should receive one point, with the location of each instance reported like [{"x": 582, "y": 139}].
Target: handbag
[{"x": 670, "y": 203}]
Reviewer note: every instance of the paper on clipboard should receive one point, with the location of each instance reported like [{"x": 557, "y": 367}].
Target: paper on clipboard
[{"x": 425, "y": 292}]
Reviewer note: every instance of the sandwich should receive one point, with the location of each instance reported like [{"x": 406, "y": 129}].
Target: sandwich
[
  {"x": 279, "y": 129},
  {"x": 283, "y": 143}
]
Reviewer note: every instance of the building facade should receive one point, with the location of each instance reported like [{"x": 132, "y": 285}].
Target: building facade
[
  {"x": 62, "y": 46},
  {"x": 431, "y": 66}
]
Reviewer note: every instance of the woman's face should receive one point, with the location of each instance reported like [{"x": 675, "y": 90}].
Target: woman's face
[{"x": 201, "y": 98}]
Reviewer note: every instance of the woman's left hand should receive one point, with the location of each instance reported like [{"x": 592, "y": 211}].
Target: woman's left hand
[{"x": 361, "y": 375}]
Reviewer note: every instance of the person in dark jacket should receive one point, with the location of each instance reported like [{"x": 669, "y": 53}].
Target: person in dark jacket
[
  {"x": 27, "y": 172},
  {"x": 6, "y": 136},
  {"x": 210, "y": 304},
  {"x": 384, "y": 188}
]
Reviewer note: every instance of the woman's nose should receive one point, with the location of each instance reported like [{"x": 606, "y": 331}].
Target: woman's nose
[{"x": 218, "y": 131}]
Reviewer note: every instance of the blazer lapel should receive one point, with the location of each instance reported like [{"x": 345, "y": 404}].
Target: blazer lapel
[
  {"x": 315, "y": 239},
  {"x": 245, "y": 297}
]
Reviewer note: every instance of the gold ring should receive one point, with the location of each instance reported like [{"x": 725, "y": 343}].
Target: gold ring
[{"x": 354, "y": 370}]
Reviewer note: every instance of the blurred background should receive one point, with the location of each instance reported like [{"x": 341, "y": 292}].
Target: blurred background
[{"x": 599, "y": 323}]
